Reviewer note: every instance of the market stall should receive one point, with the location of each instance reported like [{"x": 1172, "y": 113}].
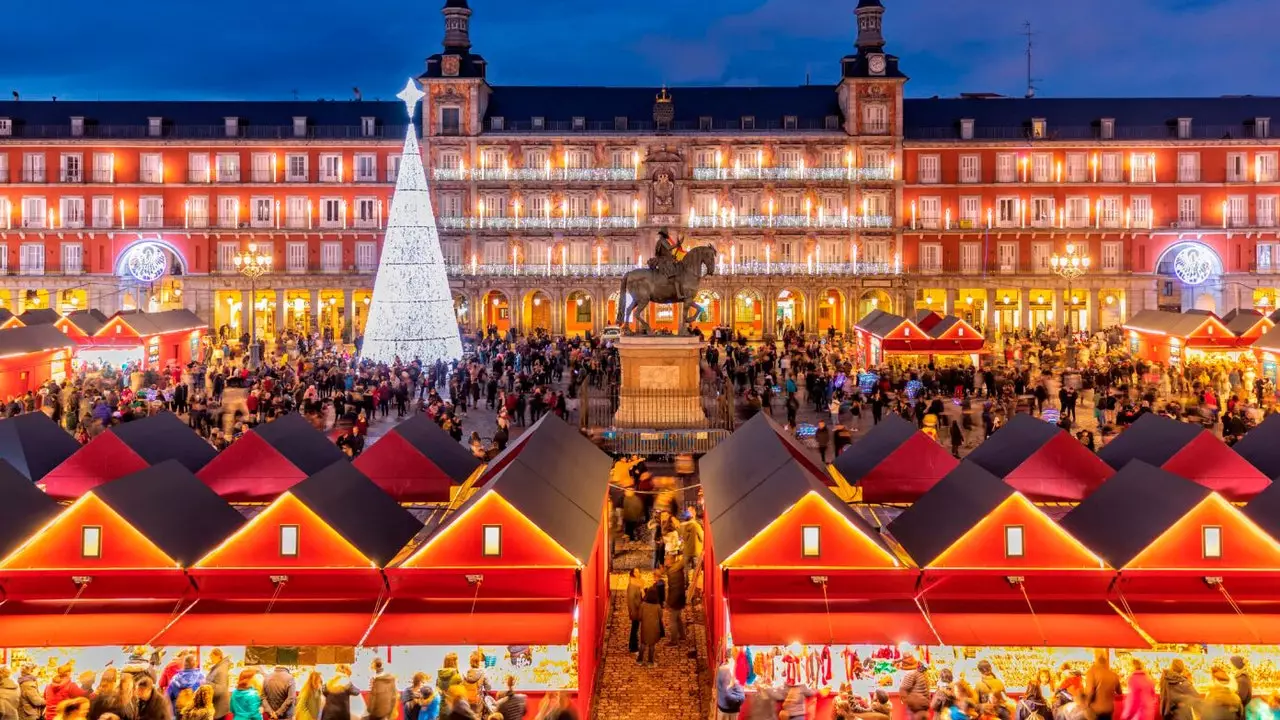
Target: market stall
[
  {"x": 126, "y": 448},
  {"x": 152, "y": 340},
  {"x": 893, "y": 462},
  {"x": 1247, "y": 325},
  {"x": 34, "y": 444},
  {"x": 1260, "y": 447},
  {"x": 269, "y": 459},
  {"x": 38, "y": 316},
  {"x": 418, "y": 462},
  {"x": 1188, "y": 450},
  {"x": 31, "y": 357},
  {"x": 882, "y": 335},
  {"x": 1267, "y": 349},
  {"x": 81, "y": 324},
  {"x": 955, "y": 342},
  {"x": 519, "y": 570},
  {"x": 1040, "y": 460},
  {"x": 1174, "y": 338}
]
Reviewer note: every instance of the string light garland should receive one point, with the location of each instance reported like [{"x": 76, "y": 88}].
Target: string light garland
[{"x": 411, "y": 314}]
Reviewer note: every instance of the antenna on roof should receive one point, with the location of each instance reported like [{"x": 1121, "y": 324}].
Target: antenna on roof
[
  {"x": 806, "y": 74},
  {"x": 15, "y": 95},
  {"x": 1026, "y": 31},
  {"x": 295, "y": 94},
  {"x": 356, "y": 91}
]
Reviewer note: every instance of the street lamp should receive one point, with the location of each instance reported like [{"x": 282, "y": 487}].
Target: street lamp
[
  {"x": 252, "y": 264},
  {"x": 1069, "y": 266}
]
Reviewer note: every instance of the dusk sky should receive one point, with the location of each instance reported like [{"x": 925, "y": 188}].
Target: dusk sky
[{"x": 267, "y": 49}]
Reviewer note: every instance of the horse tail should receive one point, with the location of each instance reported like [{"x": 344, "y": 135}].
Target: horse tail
[{"x": 622, "y": 301}]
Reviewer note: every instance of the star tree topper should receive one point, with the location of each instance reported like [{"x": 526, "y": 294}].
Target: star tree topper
[{"x": 410, "y": 95}]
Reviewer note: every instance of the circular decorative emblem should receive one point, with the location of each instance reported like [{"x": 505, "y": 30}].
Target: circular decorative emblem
[
  {"x": 146, "y": 262},
  {"x": 1192, "y": 265}
]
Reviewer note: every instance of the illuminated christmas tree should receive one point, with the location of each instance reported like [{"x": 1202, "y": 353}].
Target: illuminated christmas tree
[{"x": 411, "y": 314}]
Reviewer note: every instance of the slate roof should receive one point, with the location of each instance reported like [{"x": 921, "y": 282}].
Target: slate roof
[
  {"x": 300, "y": 443},
  {"x": 1152, "y": 439},
  {"x": 163, "y": 436},
  {"x": 1130, "y": 510},
  {"x": 173, "y": 509},
  {"x": 1241, "y": 320},
  {"x": 358, "y": 510},
  {"x": 959, "y": 501},
  {"x": 34, "y": 444},
  {"x": 1264, "y": 508},
  {"x": 1079, "y": 118},
  {"x": 1173, "y": 324},
  {"x": 881, "y": 441},
  {"x": 943, "y": 325},
  {"x": 26, "y": 508},
  {"x": 1269, "y": 340},
  {"x": 89, "y": 321},
  {"x": 146, "y": 323},
  {"x": 32, "y": 338},
  {"x": 336, "y": 119},
  {"x": 437, "y": 446},
  {"x": 40, "y": 316},
  {"x": 1260, "y": 447},
  {"x": 1016, "y": 441},
  {"x": 880, "y": 323}
]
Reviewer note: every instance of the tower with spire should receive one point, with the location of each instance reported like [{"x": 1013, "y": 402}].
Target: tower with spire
[
  {"x": 869, "y": 58},
  {"x": 457, "y": 93}
]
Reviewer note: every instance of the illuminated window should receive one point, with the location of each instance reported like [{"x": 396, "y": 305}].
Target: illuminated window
[
  {"x": 492, "y": 538},
  {"x": 288, "y": 541},
  {"x": 1014, "y": 541},
  {"x": 811, "y": 541},
  {"x": 1211, "y": 542},
  {"x": 91, "y": 541}
]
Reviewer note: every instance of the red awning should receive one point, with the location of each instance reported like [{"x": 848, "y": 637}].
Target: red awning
[
  {"x": 1217, "y": 622},
  {"x": 492, "y": 622},
  {"x": 782, "y": 622},
  {"x": 37, "y": 624},
  {"x": 1058, "y": 623},
  {"x": 299, "y": 623}
]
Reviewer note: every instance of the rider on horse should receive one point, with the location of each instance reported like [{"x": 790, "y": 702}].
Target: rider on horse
[{"x": 667, "y": 254}]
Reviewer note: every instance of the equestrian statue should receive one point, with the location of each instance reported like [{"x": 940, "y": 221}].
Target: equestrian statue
[{"x": 673, "y": 276}]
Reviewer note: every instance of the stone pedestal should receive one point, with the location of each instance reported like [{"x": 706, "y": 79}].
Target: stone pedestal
[{"x": 660, "y": 383}]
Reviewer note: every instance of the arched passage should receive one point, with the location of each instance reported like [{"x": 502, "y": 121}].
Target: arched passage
[
  {"x": 710, "y": 310},
  {"x": 748, "y": 313},
  {"x": 537, "y": 311},
  {"x": 789, "y": 310},
  {"x": 1195, "y": 272},
  {"x": 611, "y": 309},
  {"x": 578, "y": 310},
  {"x": 497, "y": 311},
  {"x": 831, "y": 311},
  {"x": 461, "y": 308},
  {"x": 874, "y": 300}
]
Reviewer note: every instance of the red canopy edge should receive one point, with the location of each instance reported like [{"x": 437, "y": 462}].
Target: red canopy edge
[
  {"x": 492, "y": 622},
  {"x": 782, "y": 622},
  {"x": 296, "y": 623},
  {"x": 1017, "y": 623},
  {"x": 1194, "y": 622},
  {"x": 50, "y": 624}
]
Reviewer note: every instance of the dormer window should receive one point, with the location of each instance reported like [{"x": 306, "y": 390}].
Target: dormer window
[
  {"x": 289, "y": 541},
  {"x": 77, "y": 126},
  {"x": 748, "y": 122},
  {"x": 620, "y": 124},
  {"x": 810, "y": 541},
  {"x": 539, "y": 123},
  {"x": 1039, "y": 128},
  {"x": 790, "y": 122},
  {"x": 1107, "y": 128},
  {"x": 497, "y": 123},
  {"x": 1211, "y": 542},
  {"x": 233, "y": 126},
  {"x": 966, "y": 128},
  {"x": 1262, "y": 127},
  {"x": 6, "y": 127},
  {"x": 1184, "y": 128},
  {"x": 300, "y": 126},
  {"x": 368, "y": 126},
  {"x": 1015, "y": 541},
  {"x": 704, "y": 123},
  {"x": 154, "y": 124},
  {"x": 579, "y": 123},
  {"x": 91, "y": 541},
  {"x": 491, "y": 541}
]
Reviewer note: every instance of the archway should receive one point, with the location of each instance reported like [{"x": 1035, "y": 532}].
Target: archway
[
  {"x": 147, "y": 260},
  {"x": 578, "y": 310},
  {"x": 1192, "y": 277},
  {"x": 1111, "y": 311},
  {"x": 360, "y": 301},
  {"x": 789, "y": 312},
  {"x": 497, "y": 311},
  {"x": 831, "y": 311},
  {"x": 748, "y": 314},
  {"x": 461, "y": 309},
  {"x": 611, "y": 309},
  {"x": 709, "y": 310},
  {"x": 537, "y": 311},
  {"x": 871, "y": 300},
  {"x": 72, "y": 300}
]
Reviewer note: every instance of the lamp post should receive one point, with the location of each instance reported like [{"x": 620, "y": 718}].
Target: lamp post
[
  {"x": 1069, "y": 266},
  {"x": 252, "y": 264}
]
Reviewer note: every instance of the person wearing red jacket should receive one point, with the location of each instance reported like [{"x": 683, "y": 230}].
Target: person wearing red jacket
[{"x": 61, "y": 688}]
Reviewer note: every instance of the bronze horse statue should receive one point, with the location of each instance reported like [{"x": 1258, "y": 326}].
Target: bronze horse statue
[{"x": 643, "y": 286}]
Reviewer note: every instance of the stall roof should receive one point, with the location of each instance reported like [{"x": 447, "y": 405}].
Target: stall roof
[
  {"x": 148, "y": 323},
  {"x": 1264, "y": 508},
  {"x": 1109, "y": 521},
  {"x": 1241, "y": 320},
  {"x": 359, "y": 511},
  {"x": 25, "y": 508},
  {"x": 163, "y": 436},
  {"x": 927, "y": 319},
  {"x": 28, "y": 339},
  {"x": 39, "y": 316},
  {"x": 173, "y": 509},
  {"x": 1040, "y": 460},
  {"x": 1260, "y": 447},
  {"x": 958, "y": 502},
  {"x": 417, "y": 461},
  {"x": 880, "y": 323},
  {"x": 34, "y": 444},
  {"x": 89, "y": 321},
  {"x": 1189, "y": 450},
  {"x": 269, "y": 459},
  {"x": 1269, "y": 340},
  {"x": 1152, "y": 439},
  {"x": 1179, "y": 325},
  {"x": 893, "y": 462}
]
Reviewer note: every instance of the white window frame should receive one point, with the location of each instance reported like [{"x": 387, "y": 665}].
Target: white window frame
[
  {"x": 331, "y": 256},
  {"x": 970, "y": 168},
  {"x": 930, "y": 169},
  {"x": 366, "y": 254},
  {"x": 71, "y": 258},
  {"x": 297, "y": 167},
  {"x": 296, "y": 256}
]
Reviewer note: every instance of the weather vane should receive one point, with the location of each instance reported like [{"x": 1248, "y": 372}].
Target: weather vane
[{"x": 410, "y": 95}]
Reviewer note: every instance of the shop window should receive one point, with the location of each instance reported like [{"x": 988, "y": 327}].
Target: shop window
[
  {"x": 492, "y": 541},
  {"x": 91, "y": 541},
  {"x": 811, "y": 541},
  {"x": 289, "y": 541},
  {"x": 1211, "y": 542},
  {"x": 1014, "y": 541}
]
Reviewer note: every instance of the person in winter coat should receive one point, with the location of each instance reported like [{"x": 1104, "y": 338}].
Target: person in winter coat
[
  {"x": 201, "y": 707},
  {"x": 30, "y": 700},
  {"x": 190, "y": 677},
  {"x": 382, "y": 693},
  {"x": 413, "y": 697},
  {"x": 62, "y": 687},
  {"x": 279, "y": 694},
  {"x": 476, "y": 683},
  {"x": 676, "y": 598},
  {"x": 220, "y": 678},
  {"x": 1178, "y": 697},
  {"x": 74, "y": 709},
  {"x": 1033, "y": 705},
  {"x": 113, "y": 695},
  {"x": 311, "y": 697},
  {"x": 650, "y": 624},
  {"x": 729, "y": 694},
  {"x": 991, "y": 690},
  {"x": 458, "y": 707},
  {"x": 337, "y": 695},
  {"x": 149, "y": 702},
  {"x": 913, "y": 690},
  {"x": 512, "y": 705},
  {"x": 448, "y": 675},
  {"x": 246, "y": 703},
  {"x": 1101, "y": 685},
  {"x": 1244, "y": 683},
  {"x": 1220, "y": 701},
  {"x": 943, "y": 691},
  {"x": 635, "y": 597},
  {"x": 1140, "y": 702},
  {"x": 10, "y": 694},
  {"x": 794, "y": 700}
]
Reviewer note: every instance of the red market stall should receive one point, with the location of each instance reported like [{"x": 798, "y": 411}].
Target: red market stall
[
  {"x": 1188, "y": 450},
  {"x": 269, "y": 459},
  {"x": 81, "y": 324},
  {"x": 154, "y": 340},
  {"x": 1173, "y": 338},
  {"x": 24, "y": 511},
  {"x": 418, "y": 462},
  {"x": 998, "y": 571},
  {"x": 522, "y": 565},
  {"x": 31, "y": 357},
  {"x": 953, "y": 337},
  {"x": 882, "y": 335},
  {"x": 1267, "y": 348},
  {"x": 38, "y": 316},
  {"x": 1040, "y": 460},
  {"x": 34, "y": 444},
  {"x": 126, "y": 448},
  {"x": 894, "y": 462},
  {"x": 1247, "y": 325}
]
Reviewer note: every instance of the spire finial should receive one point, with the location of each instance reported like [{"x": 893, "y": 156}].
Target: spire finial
[{"x": 410, "y": 95}]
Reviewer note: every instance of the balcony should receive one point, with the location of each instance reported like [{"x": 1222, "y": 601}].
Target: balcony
[
  {"x": 71, "y": 176},
  {"x": 629, "y": 174},
  {"x": 141, "y": 131},
  {"x": 195, "y": 220},
  {"x": 837, "y": 174},
  {"x": 751, "y": 268},
  {"x": 536, "y": 223},
  {"x": 199, "y": 176},
  {"x": 841, "y": 222}
]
